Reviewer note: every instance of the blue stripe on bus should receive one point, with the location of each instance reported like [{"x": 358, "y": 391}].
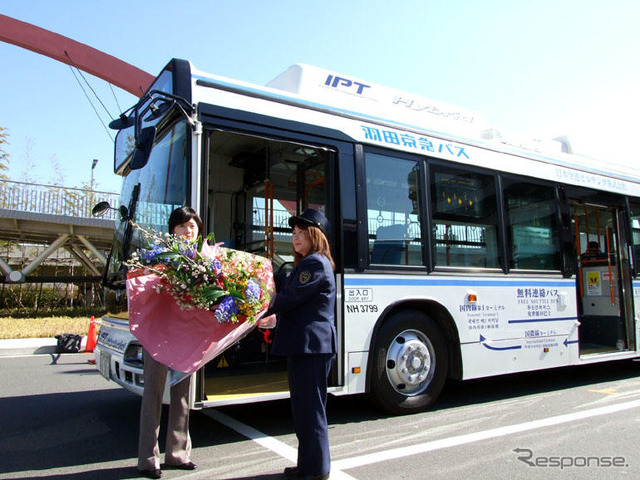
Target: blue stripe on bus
[
  {"x": 443, "y": 282},
  {"x": 535, "y": 320},
  {"x": 513, "y": 347}
]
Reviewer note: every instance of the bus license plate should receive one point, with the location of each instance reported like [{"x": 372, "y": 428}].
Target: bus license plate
[{"x": 105, "y": 364}]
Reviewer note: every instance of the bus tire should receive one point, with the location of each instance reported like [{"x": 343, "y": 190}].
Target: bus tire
[{"x": 410, "y": 363}]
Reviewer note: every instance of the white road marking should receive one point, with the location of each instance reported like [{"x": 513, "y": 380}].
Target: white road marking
[
  {"x": 267, "y": 442},
  {"x": 396, "y": 453},
  {"x": 282, "y": 449},
  {"x": 338, "y": 466}
]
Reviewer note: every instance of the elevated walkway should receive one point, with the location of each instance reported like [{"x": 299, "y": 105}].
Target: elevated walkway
[{"x": 54, "y": 217}]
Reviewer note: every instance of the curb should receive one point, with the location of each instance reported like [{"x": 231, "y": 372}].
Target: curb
[{"x": 28, "y": 346}]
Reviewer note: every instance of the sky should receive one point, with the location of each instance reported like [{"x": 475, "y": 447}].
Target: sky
[{"x": 538, "y": 69}]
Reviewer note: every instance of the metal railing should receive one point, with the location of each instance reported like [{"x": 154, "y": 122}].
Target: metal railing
[{"x": 53, "y": 199}]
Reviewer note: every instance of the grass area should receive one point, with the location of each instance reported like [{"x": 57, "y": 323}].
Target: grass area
[{"x": 45, "y": 327}]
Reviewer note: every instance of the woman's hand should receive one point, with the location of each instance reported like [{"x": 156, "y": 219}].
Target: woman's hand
[{"x": 268, "y": 322}]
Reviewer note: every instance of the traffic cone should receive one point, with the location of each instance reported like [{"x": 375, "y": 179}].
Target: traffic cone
[{"x": 92, "y": 336}]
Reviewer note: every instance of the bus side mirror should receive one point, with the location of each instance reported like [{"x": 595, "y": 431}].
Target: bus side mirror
[
  {"x": 100, "y": 209},
  {"x": 144, "y": 144}
]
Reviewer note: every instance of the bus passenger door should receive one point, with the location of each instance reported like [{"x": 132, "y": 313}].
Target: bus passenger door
[
  {"x": 603, "y": 278},
  {"x": 254, "y": 185}
]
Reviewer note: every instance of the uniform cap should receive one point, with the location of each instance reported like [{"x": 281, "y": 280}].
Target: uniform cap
[{"x": 311, "y": 217}]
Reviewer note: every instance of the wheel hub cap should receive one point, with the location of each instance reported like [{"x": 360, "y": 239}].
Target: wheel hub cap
[{"x": 410, "y": 362}]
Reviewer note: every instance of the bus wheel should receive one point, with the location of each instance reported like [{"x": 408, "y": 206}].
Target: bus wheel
[{"x": 410, "y": 363}]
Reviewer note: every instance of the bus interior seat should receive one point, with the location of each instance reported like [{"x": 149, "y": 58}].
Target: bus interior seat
[{"x": 388, "y": 245}]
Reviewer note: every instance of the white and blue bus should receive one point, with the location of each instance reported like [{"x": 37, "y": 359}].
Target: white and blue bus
[{"x": 460, "y": 253}]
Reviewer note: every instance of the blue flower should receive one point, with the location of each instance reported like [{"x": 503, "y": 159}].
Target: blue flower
[
  {"x": 187, "y": 249},
  {"x": 214, "y": 266},
  {"x": 227, "y": 310},
  {"x": 149, "y": 256},
  {"x": 252, "y": 292}
]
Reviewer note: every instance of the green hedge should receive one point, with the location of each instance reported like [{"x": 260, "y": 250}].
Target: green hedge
[{"x": 63, "y": 299}]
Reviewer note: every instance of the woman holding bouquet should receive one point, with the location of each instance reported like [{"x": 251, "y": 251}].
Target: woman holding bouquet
[
  {"x": 184, "y": 222},
  {"x": 306, "y": 335}
]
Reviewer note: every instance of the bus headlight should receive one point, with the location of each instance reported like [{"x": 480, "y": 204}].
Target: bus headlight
[{"x": 133, "y": 355}]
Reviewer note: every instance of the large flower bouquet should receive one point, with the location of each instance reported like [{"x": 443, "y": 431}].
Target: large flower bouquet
[
  {"x": 233, "y": 284},
  {"x": 188, "y": 302}
]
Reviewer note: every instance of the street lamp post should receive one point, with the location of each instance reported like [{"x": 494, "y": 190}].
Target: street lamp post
[
  {"x": 93, "y": 167},
  {"x": 92, "y": 201}
]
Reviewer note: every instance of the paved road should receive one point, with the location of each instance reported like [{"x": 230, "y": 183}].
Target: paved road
[{"x": 61, "y": 420}]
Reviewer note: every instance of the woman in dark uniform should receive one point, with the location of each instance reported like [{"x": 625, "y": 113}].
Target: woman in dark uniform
[{"x": 306, "y": 335}]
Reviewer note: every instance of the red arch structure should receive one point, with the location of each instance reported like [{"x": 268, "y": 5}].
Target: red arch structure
[
  {"x": 62, "y": 233},
  {"x": 76, "y": 54}
]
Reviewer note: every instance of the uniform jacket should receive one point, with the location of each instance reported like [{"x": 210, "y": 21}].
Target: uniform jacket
[{"x": 305, "y": 307}]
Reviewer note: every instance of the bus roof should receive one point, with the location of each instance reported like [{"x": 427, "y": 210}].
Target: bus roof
[
  {"x": 358, "y": 95},
  {"x": 402, "y": 107},
  {"x": 357, "y": 98}
]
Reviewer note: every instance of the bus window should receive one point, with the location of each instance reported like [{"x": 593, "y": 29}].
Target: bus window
[
  {"x": 393, "y": 211},
  {"x": 532, "y": 226},
  {"x": 464, "y": 218}
]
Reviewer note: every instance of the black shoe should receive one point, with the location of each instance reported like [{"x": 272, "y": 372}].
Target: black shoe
[
  {"x": 291, "y": 472},
  {"x": 182, "y": 466},
  {"x": 314, "y": 477},
  {"x": 157, "y": 473}
]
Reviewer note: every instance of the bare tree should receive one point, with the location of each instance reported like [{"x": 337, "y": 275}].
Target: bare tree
[
  {"x": 28, "y": 163},
  {"x": 4, "y": 166},
  {"x": 58, "y": 178},
  {"x": 4, "y": 156}
]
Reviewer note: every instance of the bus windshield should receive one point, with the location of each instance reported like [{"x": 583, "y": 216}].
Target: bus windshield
[{"x": 151, "y": 193}]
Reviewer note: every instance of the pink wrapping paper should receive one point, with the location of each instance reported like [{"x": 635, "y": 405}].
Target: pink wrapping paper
[{"x": 183, "y": 340}]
